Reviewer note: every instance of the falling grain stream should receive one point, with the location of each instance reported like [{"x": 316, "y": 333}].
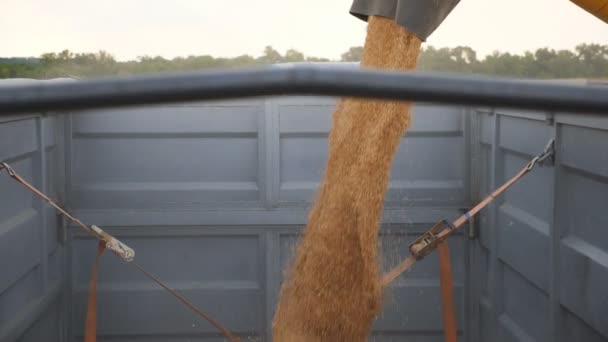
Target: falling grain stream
[{"x": 332, "y": 290}]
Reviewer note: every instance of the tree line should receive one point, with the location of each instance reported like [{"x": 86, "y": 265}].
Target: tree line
[{"x": 585, "y": 61}]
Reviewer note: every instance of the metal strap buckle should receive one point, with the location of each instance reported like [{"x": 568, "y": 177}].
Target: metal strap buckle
[
  {"x": 428, "y": 241},
  {"x": 115, "y": 245}
]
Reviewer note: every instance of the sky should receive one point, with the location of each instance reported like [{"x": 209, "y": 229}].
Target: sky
[{"x": 323, "y": 28}]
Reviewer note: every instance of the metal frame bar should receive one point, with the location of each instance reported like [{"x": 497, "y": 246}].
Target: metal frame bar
[{"x": 292, "y": 79}]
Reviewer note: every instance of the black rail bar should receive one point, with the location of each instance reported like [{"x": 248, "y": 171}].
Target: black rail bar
[{"x": 302, "y": 80}]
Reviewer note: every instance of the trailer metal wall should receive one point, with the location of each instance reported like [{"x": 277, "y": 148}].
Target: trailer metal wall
[
  {"x": 541, "y": 262},
  {"x": 32, "y": 254},
  {"x": 212, "y": 197}
]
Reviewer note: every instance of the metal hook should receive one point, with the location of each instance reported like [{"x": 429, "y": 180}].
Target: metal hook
[
  {"x": 8, "y": 168},
  {"x": 548, "y": 153}
]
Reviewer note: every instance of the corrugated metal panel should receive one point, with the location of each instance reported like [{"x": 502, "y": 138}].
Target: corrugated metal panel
[
  {"x": 303, "y": 128},
  {"x": 542, "y": 257},
  {"x": 33, "y": 260},
  {"x": 174, "y": 157},
  {"x": 213, "y": 196}
]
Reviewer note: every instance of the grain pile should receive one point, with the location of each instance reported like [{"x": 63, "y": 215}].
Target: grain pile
[{"x": 332, "y": 291}]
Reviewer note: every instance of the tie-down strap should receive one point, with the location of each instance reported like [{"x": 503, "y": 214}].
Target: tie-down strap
[
  {"x": 123, "y": 251},
  {"x": 112, "y": 243},
  {"x": 428, "y": 242}
]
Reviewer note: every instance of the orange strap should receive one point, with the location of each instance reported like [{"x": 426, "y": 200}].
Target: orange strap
[
  {"x": 432, "y": 239},
  {"x": 447, "y": 292},
  {"x": 90, "y": 330}
]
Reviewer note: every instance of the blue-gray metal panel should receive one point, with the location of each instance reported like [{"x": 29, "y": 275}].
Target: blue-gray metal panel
[
  {"x": 584, "y": 275},
  {"x": 529, "y": 194},
  {"x": 587, "y": 204},
  {"x": 300, "y": 117},
  {"x": 519, "y": 113},
  {"x": 231, "y": 216},
  {"x": 585, "y": 149},
  {"x": 555, "y": 314},
  {"x": 47, "y": 327},
  {"x": 508, "y": 331},
  {"x": 27, "y": 315},
  {"x": 19, "y": 247},
  {"x": 302, "y": 162},
  {"x": 303, "y": 154},
  {"x": 173, "y": 338},
  {"x": 417, "y": 176},
  {"x": 486, "y": 128},
  {"x": 52, "y": 229},
  {"x": 56, "y": 265},
  {"x": 407, "y": 336},
  {"x": 552, "y": 255},
  {"x": 484, "y": 270},
  {"x": 218, "y": 269},
  {"x": 582, "y": 120},
  {"x": 100, "y": 151},
  {"x": 149, "y": 149},
  {"x": 273, "y": 152},
  {"x": 263, "y": 159},
  {"x": 20, "y": 239},
  {"x": 273, "y": 274},
  {"x": 523, "y": 221},
  {"x": 20, "y": 199},
  {"x": 583, "y": 250},
  {"x": 24, "y": 291},
  {"x": 150, "y": 173},
  {"x": 486, "y": 333},
  {"x": 485, "y": 176},
  {"x": 17, "y": 138},
  {"x": 31, "y": 264},
  {"x": 303, "y": 126},
  {"x": 525, "y": 305},
  {"x": 536, "y": 134},
  {"x": 220, "y": 118},
  {"x": 144, "y": 158},
  {"x": 576, "y": 329},
  {"x": 281, "y": 152},
  {"x": 517, "y": 235},
  {"x": 493, "y": 304},
  {"x": 42, "y": 181},
  {"x": 49, "y": 127}
]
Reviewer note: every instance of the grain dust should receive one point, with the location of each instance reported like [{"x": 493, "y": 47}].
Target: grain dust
[{"x": 332, "y": 291}]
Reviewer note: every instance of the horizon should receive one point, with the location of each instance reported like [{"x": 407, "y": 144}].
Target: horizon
[{"x": 281, "y": 52}]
